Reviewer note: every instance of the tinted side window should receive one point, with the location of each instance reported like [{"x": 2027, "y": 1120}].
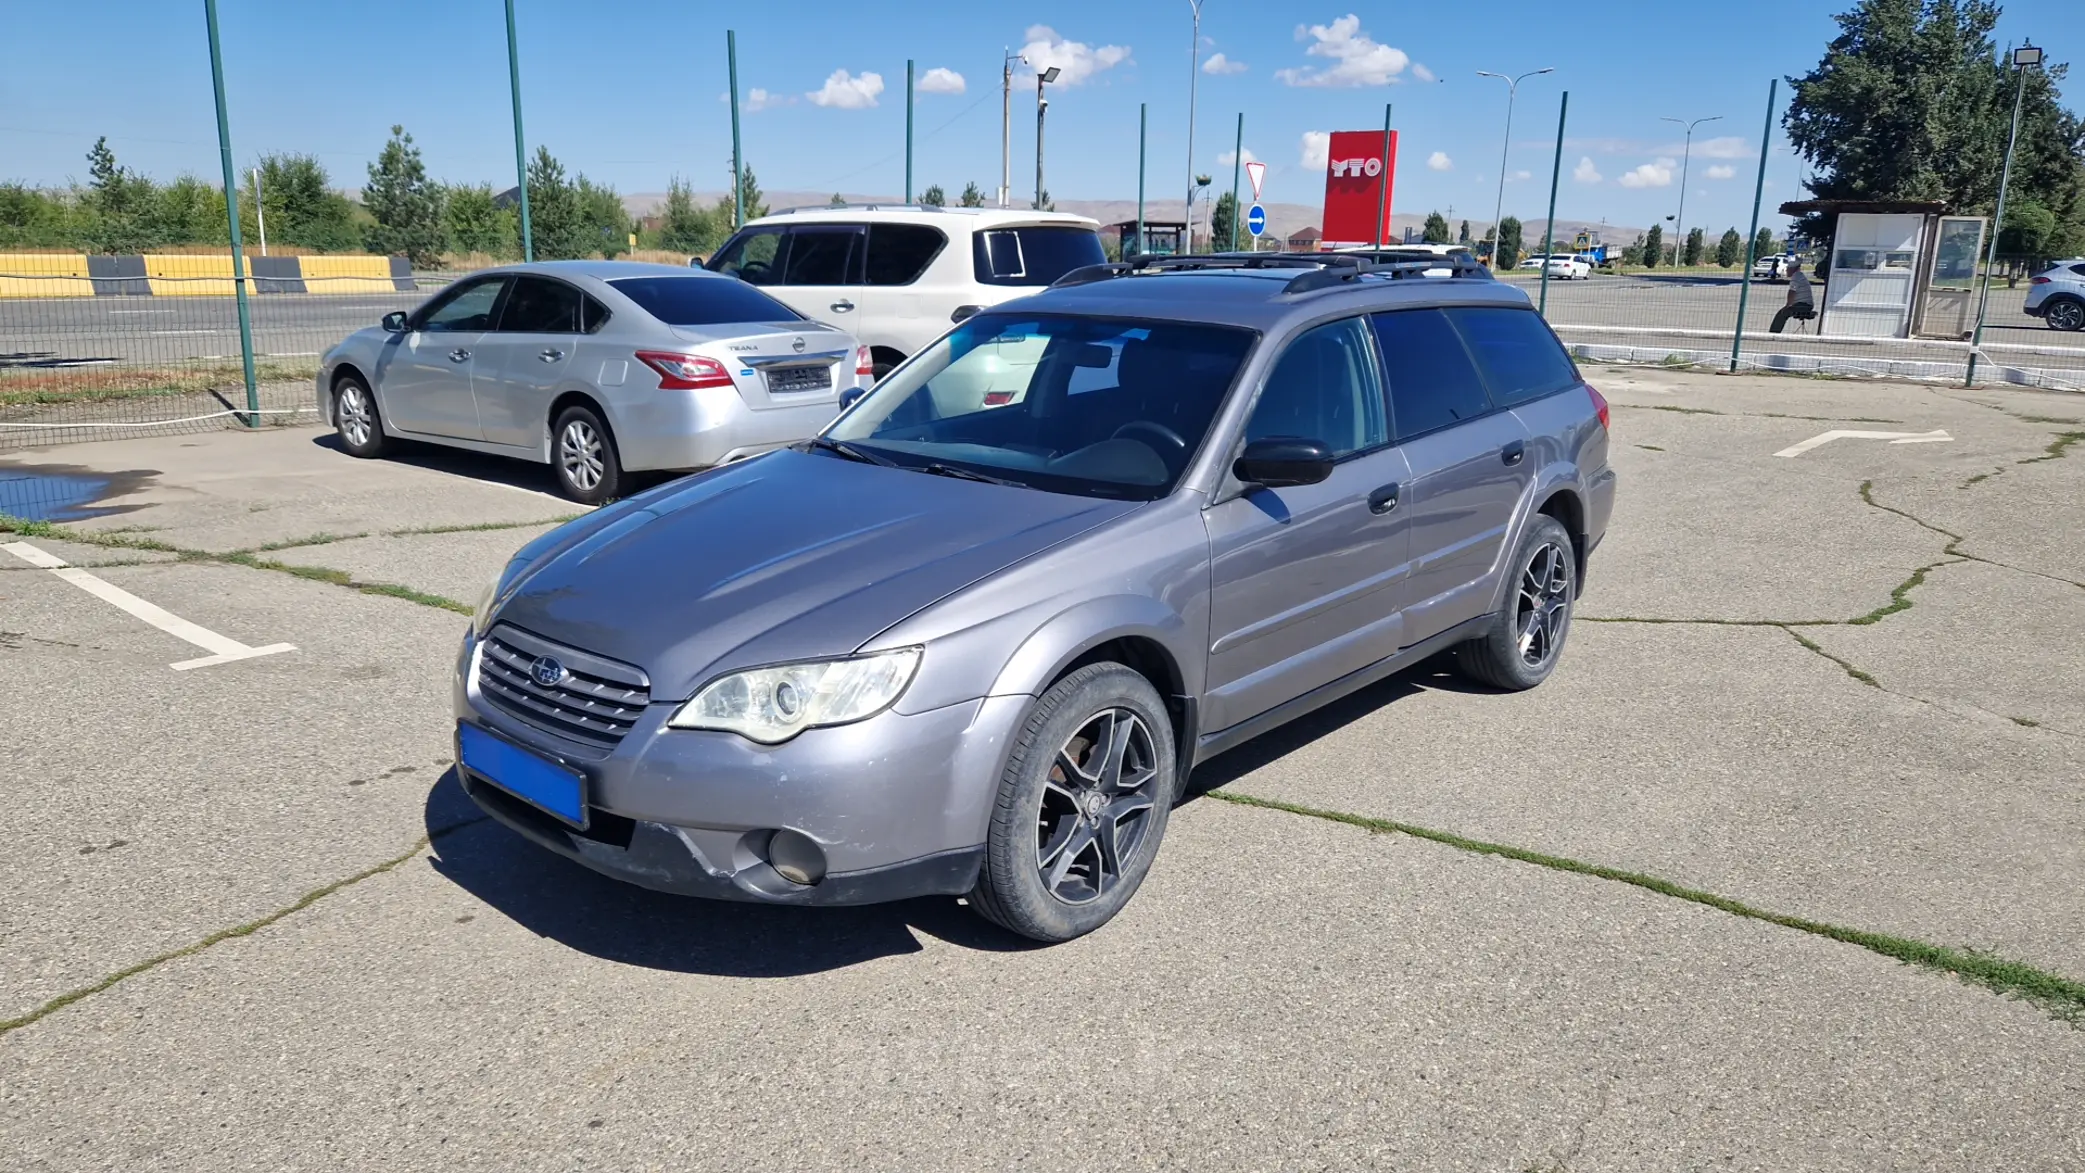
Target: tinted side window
[
  {"x": 467, "y": 310},
  {"x": 540, "y": 306},
  {"x": 2078, "y": 269},
  {"x": 821, "y": 256},
  {"x": 1433, "y": 382},
  {"x": 1520, "y": 358},
  {"x": 754, "y": 257},
  {"x": 592, "y": 316},
  {"x": 1324, "y": 388},
  {"x": 898, "y": 253},
  {"x": 1033, "y": 256}
]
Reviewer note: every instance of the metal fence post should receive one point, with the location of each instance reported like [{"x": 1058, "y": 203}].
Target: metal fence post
[
  {"x": 1383, "y": 192},
  {"x": 231, "y": 211},
  {"x": 1237, "y": 162},
  {"x": 1549, "y": 230},
  {"x": 1143, "y": 126},
  {"x": 2005, "y": 179},
  {"x": 908, "y": 131},
  {"x": 738, "y": 165},
  {"x": 528, "y": 236},
  {"x": 1766, "y": 139}
]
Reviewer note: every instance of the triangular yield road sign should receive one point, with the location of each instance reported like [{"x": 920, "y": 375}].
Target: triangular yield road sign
[{"x": 1256, "y": 171}]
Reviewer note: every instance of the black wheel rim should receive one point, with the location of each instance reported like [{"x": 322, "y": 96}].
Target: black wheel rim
[
  {"x": 2067, "y": 315},
  {"x": 1543, "y": 606},
  {"x": 1097, "y": 806}
]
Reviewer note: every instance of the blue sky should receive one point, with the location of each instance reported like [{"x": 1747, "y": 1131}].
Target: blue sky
[{"x": 629, "y": 91}]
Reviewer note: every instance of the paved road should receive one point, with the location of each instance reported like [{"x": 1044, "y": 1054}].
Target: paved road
[{"x": 1286, "y": 991}]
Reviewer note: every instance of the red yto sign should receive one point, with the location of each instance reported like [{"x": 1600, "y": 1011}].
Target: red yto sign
[{"x": 1358, "y": 187}]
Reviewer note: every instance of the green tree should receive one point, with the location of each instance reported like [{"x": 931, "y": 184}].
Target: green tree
[
  {"x": 1632, "y": 254},
  {"x": 189, "y": 211},
  {"x": 838, "y": 201},
  {"x": 2028, "y": 231},
  {"x": 605, "y": 222},
  {"x": 934, "y": 197},
  {"x": 303, "y": 209},
  {"x": 1763, "y": 244},
  {"x": 405, "y": 204},
  {"x": 1731, "y": 249},
  {"x": 33, "y": 219},
  {"x": 972, "y": 197},
  {"x": 117, "y": 203},
  {"x": 1691, "y": 256},
  {"x": 1653, "y": 247},
  {"x": 1222, "y": 219},
  {"x": 1509, "y": 242},
  {"x": 477, "y": 224},
  {"x": 1045, "y": 204},
  {"x": 1436, "y": 231},
  {"x": 555, "y": 218},
  {"x": 1463, "y": 237},
  {"x": 687, "y": 228}
]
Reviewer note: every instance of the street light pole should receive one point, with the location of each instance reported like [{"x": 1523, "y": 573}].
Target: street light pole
[
  {"x": 2023, "y": 57},
  {"x": 1042, "y": 105},
  {"x": 1499, "y": 207},
  {"x": 1679, "y": 222},
  {"x": 1006, "y": 131},
  {"x": 1194, "y": 70}
]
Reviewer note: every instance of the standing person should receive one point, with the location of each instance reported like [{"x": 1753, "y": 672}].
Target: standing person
[{"x": 1802, "y": 303}]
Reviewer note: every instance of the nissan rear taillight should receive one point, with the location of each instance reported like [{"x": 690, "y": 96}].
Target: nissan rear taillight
[
  {"x": 1599, "y": 406},
  {"x": 685, "y": 372}
]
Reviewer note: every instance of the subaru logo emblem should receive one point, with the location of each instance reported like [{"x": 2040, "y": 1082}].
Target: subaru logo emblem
[
  {"x": 797, "y": 346},
  {"x": 547, "y": 672}
]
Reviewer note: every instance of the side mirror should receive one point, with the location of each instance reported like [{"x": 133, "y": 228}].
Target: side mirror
[
  {"x": 963, "y": 311},
  {"x": 394, "y": 322},
  {"x": 1280, "y": 461},
  {"x": 850, "y": 396}
]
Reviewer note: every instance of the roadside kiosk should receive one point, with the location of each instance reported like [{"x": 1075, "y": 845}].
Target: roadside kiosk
[
  {"x": 1162, "y": 238},
  {"x": 1898, "y": 268}
]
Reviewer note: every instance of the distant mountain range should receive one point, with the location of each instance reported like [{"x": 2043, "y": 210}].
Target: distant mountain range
[{"x": 1282, "y": 219}]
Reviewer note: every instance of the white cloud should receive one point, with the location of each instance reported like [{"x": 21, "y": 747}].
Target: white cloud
[
  {"x": 1585, "y": 172},
  {"x": 1229, "y": 157},
  {"x": 1220, "y": 64},
  {"x": 1727, "y": 147},
  {"x": 758, "y": 99},
  {"x": 1317, "y": 149},
  {"x": 1421, "y": 73},
  {"x": 1439, "y": 161},
  {"x": 1358, "y": 59},
  {"x": 843, "y": 91},
  {"x": 1654, "y": 174},
  {"x": 941, "y": 81},
  {"x": 1719, "y": 171},
  {"x": 1517, "y": 176},
  {"x": 1078, "y": 60}
]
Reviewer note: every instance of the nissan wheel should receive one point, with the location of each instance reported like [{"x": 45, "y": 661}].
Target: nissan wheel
[{"x": 582, "y": 451}]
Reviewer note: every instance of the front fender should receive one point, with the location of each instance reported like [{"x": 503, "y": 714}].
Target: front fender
[{"x": 1018, "y": 653}]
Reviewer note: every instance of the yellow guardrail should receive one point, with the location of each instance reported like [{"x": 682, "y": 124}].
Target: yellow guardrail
[
  {"x": 44, "y": 275},
  {"x": 186, "y": 275},
  {"x": 346, "y": 274}
]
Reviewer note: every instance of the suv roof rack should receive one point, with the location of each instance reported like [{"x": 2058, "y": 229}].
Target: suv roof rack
[{"x": 1321, "y": 270}]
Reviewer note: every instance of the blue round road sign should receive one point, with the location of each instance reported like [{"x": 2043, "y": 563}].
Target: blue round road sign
[{"x": 1256, "y": 220}]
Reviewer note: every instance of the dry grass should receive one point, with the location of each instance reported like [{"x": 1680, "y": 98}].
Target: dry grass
[{"x": 85, "y": 384}]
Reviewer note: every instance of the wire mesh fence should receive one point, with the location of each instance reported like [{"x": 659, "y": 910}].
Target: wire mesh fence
[{"x": 87, "y": 357}]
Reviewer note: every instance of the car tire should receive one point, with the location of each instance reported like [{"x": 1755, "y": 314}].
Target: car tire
[
  {"x": 582, "y": 453},
  {"x": 2064, "y": 313},
  {"x": 356, "y": 419},
  {"x": 1526, "y": 637},
  {"x": 1082, "y": 806}
]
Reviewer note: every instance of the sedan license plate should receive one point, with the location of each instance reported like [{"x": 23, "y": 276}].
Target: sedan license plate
[
  {"x": 537, "y": 781},
  {"x": 792, "y": 380}
]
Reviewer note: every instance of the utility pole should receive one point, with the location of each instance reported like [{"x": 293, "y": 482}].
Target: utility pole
[
  {"x": 231, "y": 209},
  {"x": 1006, "y": 127},
  {"x": 1042, "y": 105},
  {"x": 528, "y": 237},
  {"x": 1194, "y": 70},
  {"x": 738, "y": 161},
  {"x": 1498, "y": 208},
  {"x": 908, "y": 131}
]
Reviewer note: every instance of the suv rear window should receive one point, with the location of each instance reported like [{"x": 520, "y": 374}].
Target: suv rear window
[
  {"x": 702, "y": 301},
  {"x": 1035, "y": 255}
]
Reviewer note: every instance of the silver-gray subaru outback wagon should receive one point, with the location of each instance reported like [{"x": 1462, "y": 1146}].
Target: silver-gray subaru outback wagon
[{"x": 972, "y": 638}]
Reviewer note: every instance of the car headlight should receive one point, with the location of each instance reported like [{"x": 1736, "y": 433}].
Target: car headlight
[{"x": 772, "y": 705}]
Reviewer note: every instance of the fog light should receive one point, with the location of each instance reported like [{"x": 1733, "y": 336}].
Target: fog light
[{"x": 796, "y": 858}]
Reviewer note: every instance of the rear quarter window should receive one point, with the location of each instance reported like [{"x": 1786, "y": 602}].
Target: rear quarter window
[
  {"x": 1033, "y": 255},
  {"x": 1521, "y": 360},
  {"x": 702, "y": 301}
]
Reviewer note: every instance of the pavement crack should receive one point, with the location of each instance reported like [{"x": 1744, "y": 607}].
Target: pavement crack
[
  {"x": 246, "y": 929},
  {"x": 2061, "y": 997},
  {"x": 2057, "y": 449}
]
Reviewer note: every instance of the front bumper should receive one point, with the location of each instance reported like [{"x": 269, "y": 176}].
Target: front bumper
[{"x": 898, "y": 804}]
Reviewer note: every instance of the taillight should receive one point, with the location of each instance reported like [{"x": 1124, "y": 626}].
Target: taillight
[
  {"x": 685, "y": 372},
  {"x": 2037, "y": 280},
  {"x": 1599, "y": 405},
  {"x": 863, "y": 364}
]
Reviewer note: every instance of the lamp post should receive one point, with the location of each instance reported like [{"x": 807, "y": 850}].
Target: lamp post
[
  {"x": 1498, "y": 208},
  {"x": 1006, "y": 127},
  {"x": 2024, "y": 58},
  {"x": 1042, "y": 105},
  {"x": 1194, "y": 70},
  {"x": 1679, "y": 222}
]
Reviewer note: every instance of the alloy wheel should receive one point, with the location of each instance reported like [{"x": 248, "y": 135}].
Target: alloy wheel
[
  {"x": 354, "y": 415},
  {"x": 1543, "y": 606},
  {"x": 1097, "y": 805},
  {"x": 579, "y": 455},
  {"x": 2067, "y": 315}
]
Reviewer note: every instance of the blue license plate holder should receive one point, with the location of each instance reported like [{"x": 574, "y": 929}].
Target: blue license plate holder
[{"x": 549, "y": 787}]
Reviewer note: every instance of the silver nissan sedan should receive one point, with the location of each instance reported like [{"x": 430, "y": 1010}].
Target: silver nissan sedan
[{"x": 594, "y": 368}]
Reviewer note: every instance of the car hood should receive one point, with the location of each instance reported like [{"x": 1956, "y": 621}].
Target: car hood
[{"x": 787, "y": 556}]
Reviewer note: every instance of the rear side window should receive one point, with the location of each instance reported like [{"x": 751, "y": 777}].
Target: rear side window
[
  {"x": 1520, "y": 358},
  {"x": 702, "y": 301},
  {"x": 822, "y": 256},
  {"x": 537, "y": 305},
  {"x": 2078, "y": 269},
  {"x": 1433, "y": 381},
  {"x": 1033, "y": 256},
  {"x": 899, "y": 253}
]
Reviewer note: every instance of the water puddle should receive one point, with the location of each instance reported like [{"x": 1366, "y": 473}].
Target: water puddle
[{"x": 31, "y": 492}]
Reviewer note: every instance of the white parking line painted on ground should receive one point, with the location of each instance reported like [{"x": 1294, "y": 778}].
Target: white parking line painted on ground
[
  {"x": 222, "y": 650},
  {"x": 1933, "y": 437},
  {"x": 116, "y": 313}
]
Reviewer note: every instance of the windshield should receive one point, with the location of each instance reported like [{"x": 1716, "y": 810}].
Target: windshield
[
  {"x": 697, "y": 300},
  {"x": 1104, "y": 406}
]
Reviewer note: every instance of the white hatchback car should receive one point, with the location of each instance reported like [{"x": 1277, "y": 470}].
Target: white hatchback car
[{"x": 898, "y": 276}]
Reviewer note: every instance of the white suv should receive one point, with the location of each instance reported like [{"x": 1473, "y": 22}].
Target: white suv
[
  {"x": 897, "y": 276},
  {"x": 2056, "y": 295}
]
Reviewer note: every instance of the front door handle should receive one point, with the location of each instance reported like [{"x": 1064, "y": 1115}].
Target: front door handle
[
  {"x": 551, "y": 355},
  {"x": 1512, "y": 453},
  {"x": 842, "y": 306},
  {"x": 1383, "y": 500},
  {"x": 459, "y": 355}
]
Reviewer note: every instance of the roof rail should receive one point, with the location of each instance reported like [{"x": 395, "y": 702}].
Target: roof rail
[
  {"x": 886, "y": 206},
  {"x": 1322, "y": 270}
]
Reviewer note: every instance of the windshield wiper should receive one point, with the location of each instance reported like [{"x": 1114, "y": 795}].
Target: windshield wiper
[
  {"x": 848, "y": 451},
  {"x": 964, "y": 474}
]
